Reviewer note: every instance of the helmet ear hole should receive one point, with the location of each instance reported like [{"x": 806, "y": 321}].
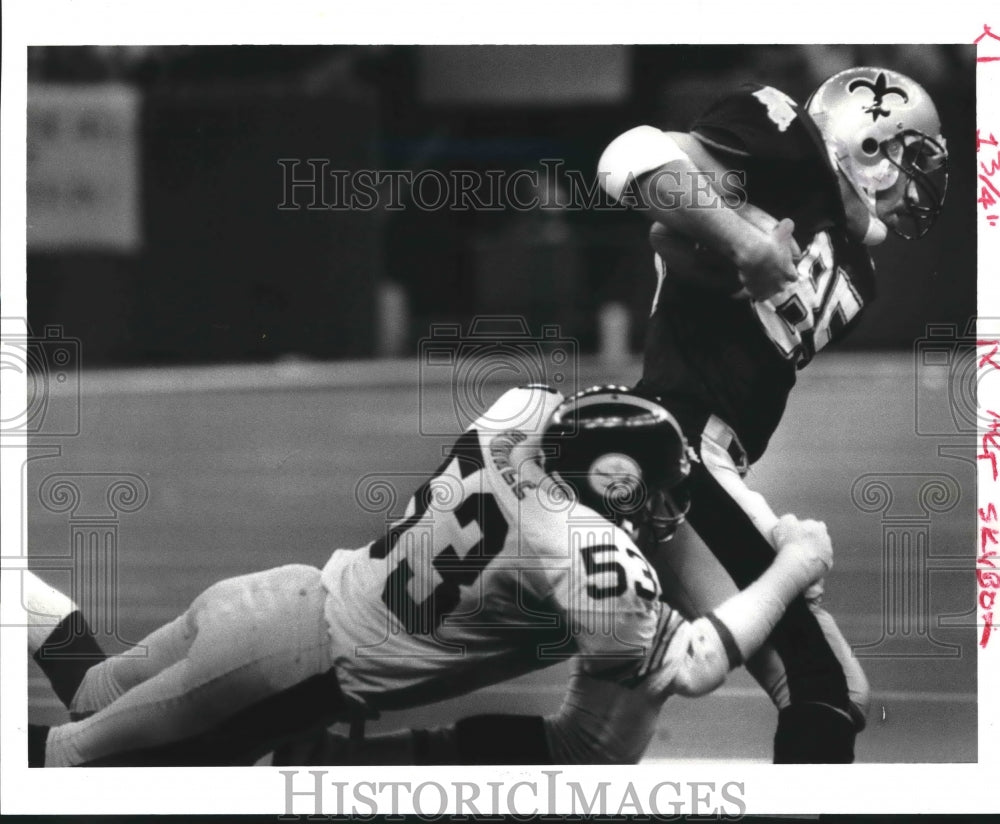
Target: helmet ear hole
[{"x": 869, "y": 145}]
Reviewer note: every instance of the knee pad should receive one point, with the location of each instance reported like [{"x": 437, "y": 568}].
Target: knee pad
[{"x": 814, "y": 734}]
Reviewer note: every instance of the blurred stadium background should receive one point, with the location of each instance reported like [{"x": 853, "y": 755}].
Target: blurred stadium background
[{"x": 251, "y": 363}]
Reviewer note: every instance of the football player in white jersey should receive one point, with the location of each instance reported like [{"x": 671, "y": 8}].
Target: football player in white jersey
[{"x": 512, "y": 556}]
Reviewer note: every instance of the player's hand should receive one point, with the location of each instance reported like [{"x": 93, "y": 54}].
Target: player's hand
[
  {"x": 814, "y": 592},
  {"x": 808, "y": 542},
  {"x": 767, "y": 261}
]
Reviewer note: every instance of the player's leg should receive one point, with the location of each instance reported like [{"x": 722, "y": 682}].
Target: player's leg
[
  {"x": 816, "y": 668},
  {"x": 251, "y": 638},
  {"x": 694, "y": 581},
  {"x": 692, "y": 578},
  {"x": 113, "y": 677},
  {"x": 59, "y": 637},
  {"x": 807, "y": 669},
  {"x": 858, "y": 689},
  {"x": 244, "y": 736},
  {"x": 81, "y": 674}
]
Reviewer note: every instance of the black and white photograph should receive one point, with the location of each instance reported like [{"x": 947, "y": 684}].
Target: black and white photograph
[{"x": 456, "y": 424}]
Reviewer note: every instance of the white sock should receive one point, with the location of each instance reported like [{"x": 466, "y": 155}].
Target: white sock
[{"x": 46, "y": 607}]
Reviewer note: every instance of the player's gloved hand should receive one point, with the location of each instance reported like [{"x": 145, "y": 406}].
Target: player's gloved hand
[
  {"x": 808, "y": 542},
  {"x": 814, "y": 594},
  {"x": 766, "y": 261}
]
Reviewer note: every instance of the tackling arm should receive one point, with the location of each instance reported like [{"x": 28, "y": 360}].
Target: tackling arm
[
  {"x": 604, "y": 720},
  {"x": 700, "y": 654}
]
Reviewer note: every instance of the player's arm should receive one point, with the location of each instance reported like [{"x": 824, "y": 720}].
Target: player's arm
[
  {"x": 605, "y": 719},
  {"x": 697, "y": 656},
  {"x": 692, "y": 197}
]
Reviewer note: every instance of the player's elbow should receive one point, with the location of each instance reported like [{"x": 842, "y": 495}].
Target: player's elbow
[
  {"x": 706, "y": 664},
  {"x": 700, "y": 681}
]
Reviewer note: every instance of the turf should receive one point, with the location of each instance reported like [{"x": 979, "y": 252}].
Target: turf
[{"x": 248, "y": 468}]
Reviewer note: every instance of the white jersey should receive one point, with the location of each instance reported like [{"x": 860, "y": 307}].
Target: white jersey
[{"x": 493, "y": 571}]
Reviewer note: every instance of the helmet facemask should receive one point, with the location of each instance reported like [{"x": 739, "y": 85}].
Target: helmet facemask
[
  {"x": 663, "y": 513},
  {"x": 912, "y": 204},
  {"x": 651, "y": 515}
]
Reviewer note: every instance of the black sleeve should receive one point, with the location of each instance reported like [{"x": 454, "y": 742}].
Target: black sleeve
[
  {"x": 759, "y": 122},
  {"x": 768, "y": 137}
]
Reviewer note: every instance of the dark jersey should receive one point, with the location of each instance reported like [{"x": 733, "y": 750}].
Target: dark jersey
[{"x": 707, "y": 353}]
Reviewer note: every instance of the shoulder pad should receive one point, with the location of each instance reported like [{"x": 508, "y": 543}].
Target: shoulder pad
[
  {"x": 633, "y": 154},
  {"x": 756, "y": 121}
]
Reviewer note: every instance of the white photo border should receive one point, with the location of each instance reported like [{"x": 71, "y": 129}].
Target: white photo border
[{"x": 765, "y": 789}]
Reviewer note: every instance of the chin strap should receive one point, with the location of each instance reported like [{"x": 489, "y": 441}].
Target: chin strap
[{"x": 876, "y": 232}]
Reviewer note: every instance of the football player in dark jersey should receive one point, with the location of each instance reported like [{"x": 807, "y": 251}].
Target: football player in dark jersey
[{"x": 762, "y": 214}]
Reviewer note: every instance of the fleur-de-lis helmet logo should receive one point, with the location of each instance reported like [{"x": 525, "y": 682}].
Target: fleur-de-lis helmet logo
[
  {"x": 881, "y": 89},
  {"x": 901, "y": 138}
]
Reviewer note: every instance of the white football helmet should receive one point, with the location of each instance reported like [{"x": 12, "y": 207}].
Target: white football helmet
[{"x": 884, "y": 134}]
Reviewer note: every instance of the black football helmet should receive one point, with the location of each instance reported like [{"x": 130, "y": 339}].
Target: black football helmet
[{"x": 623, "y": 455}]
